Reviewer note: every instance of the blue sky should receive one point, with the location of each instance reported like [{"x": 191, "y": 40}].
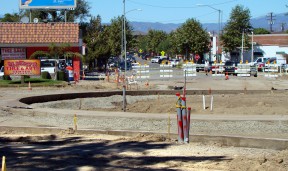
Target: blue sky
[{"x": 170, "y": 11}]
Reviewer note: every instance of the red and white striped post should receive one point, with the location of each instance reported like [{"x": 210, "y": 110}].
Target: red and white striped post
[{"x": 179, "y": 118}]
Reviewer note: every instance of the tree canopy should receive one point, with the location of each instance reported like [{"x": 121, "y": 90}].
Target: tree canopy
[
  {"x": 15, "y": 17},
  {"x": 232, "y": 34},
  {"x": 260, "y": 31},
  {"x": 192, "y": 38}
]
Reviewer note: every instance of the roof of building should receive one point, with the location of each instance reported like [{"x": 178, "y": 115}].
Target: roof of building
[
  {"x": 271, "y": 39},
  {"x": 38, "y": 33}
]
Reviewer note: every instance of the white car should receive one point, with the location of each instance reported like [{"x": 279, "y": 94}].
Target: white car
[
  {"x": 2, "y": 71},
  {"x": 174, "y": 62},
  {"x": 155, "y": 59}
]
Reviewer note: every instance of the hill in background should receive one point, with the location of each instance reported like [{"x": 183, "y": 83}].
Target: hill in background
[{"x": 259, "y": 22}]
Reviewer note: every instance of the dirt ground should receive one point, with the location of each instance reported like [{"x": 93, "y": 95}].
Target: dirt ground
[{"x": 67, "y": 151}]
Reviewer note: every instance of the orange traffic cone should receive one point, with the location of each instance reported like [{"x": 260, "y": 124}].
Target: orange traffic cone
[
  {"x": 147, "y": 83},
  {"x": 29, "y": 86},
  {"x": 226, "y": 76}
]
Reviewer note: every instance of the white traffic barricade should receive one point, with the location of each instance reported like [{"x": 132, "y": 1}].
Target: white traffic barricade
[
  {"x": 142, "y": 71},
  {"x": 243, "y": 70},
  {"x": 271, "y": 70},
  {"x": 166, "y": 71},
  {"x": 190, "y": 69},
  {"x": 218, "y": 69}
]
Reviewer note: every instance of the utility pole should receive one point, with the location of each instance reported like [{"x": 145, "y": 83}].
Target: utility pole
[
  {"x": 271, "y": 19},
  {"x": 283, "y": 27}
]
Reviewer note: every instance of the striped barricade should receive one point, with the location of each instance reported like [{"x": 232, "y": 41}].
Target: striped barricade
[
  {"x": 243, "y": 70},
  {"x": 218, "y": 69},
  {"x": 166, "y": 71},
  {"x": 271, "y": 70},
  {"x": 190, "y": 69},
  {"x": 142, "y": 71}
]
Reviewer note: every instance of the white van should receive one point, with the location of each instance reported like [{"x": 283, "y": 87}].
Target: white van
[
  {"x": 48, "y": 65},
  {"x": 2, "y": 71}
]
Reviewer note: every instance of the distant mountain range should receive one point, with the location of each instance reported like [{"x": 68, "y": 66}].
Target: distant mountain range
[{"x": 281, "y": 20}]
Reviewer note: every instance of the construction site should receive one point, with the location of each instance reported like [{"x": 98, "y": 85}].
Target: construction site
[{"x": 235, "y": 124}]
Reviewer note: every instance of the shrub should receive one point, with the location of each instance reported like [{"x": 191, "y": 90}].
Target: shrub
[
  {"x": 6, "y": 77},
  {"x": 61, "y": 75},
  {"x": 26, "y": 76},
  {"x": 45, "y": 75}
]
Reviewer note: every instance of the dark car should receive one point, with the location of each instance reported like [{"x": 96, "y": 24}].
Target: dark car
[
  {"x": 122, "y": 66},
  {"x": 230, "y": 67}
]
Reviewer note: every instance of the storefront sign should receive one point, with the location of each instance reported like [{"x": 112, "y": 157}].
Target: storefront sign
[
  {"x": 13, "y": 53},
  {"x": 22, "y": 67}
]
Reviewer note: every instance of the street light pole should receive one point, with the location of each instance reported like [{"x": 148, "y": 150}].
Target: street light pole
[
  {"x": 219, "y": 24},
  {"x": 252, "y": 49},
  {"x": 125, "y": 53},
  {"x": 242, "y": 46},
  {"x": 125, "y": 57}
]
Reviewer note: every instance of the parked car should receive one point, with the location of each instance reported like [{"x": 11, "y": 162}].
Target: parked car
[
  {"x": 146, "y": 56},
  {"x": 2, "y": 71},
  {"x": 162, "y": 58},
  {"x": 230, "y": 67},
  {"x": 48, "y": 65},
  {"x": 284, "y": 67},
  {"x": 122, "y": 66},
  {"x": 155, "y": 59},
  {"x": 260, "y": 60},
  {"x": 174, "y": 62}
]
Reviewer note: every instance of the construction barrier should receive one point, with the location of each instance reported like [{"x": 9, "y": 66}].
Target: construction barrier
[
  {"x": 142, "y": 71},
  {"x": 243, "y": 70},
  {"x": 166, "y": 71},
  {"x": 271, "y": 70},
  {"x": 218, "y": 69},
  {"x": 189, "y": 69}
]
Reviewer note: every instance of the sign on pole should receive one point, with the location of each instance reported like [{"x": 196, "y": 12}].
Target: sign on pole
[
  {"x": 22, "y": 67},
  {"x": 47, "y": 4},
  {"x": 197, "y": 57}
]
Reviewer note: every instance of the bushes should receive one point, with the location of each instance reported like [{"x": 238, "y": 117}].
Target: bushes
[
  {"x": 6, "y": 77},
  {"x": 62, "y": 76},
  {"x": 45, "y": 75}
]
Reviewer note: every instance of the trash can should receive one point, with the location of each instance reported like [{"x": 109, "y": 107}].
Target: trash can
[{"x": 70, "y": 73}]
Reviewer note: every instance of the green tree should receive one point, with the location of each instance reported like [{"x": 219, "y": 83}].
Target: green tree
[
  {"x": 232, "y": 33},
  {"x": 115, "y": 32},
  {"x": 154, "y": 39},
  {"x": 260, "y": 31},
  {"x": 191, "y": 38},
  {"x": 15, "y": 17},
  {"x": 92, "y": 40}
]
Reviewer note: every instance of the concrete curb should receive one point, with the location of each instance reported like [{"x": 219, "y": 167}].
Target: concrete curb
[
  {"x": 68, "y": 96},
  {"x": 236, "y": 141}
]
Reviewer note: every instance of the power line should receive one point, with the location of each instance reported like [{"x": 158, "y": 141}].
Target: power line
[{"x": 271, "y": 19}]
